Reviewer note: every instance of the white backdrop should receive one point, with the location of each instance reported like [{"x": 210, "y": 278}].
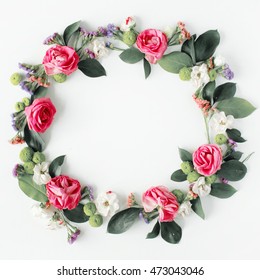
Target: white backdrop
[{"x": 122, "y": 132}]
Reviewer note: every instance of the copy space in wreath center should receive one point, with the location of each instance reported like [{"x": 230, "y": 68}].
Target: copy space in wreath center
[{"x": 122, "y": 130}]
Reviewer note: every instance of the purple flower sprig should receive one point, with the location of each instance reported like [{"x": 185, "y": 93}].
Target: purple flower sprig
[
  {"x": 53, "y": 39},
  {"x": 227, "y": 72}
]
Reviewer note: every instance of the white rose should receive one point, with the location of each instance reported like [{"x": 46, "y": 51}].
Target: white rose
[
  {"x": 107, "y": 203},
  {"x": 199, "y": 75},
  {"x": 219, "y": 60},
  {"x": 185, "y": 209},
  {"x": 219, "y": 122},
  {"x": 201, "y": 188},
  {"x": 128, "y": 24},
  {"x": 99, "y": 48},
  {"x": 41, "y": 173}
]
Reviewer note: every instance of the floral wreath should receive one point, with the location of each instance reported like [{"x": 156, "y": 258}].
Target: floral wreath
[{"x": 208, "y": 170}]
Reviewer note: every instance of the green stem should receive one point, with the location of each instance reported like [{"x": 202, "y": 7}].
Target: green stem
[{"x": 207, "y": 128}]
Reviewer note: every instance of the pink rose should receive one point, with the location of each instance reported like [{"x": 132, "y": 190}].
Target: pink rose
[
  {"x": 162, "y": 199},
  {"x": 60, "y": 59},
  {"x": 153, "y": 43},
  {"x": 207, "y": 159},
  {"x": 64, "y": 192},
  {"x": 40, "y": 114}
]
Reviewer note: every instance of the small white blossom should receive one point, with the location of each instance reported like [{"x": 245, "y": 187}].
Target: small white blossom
[
  {"x": 185, "y": 209},
  {"x": 99, "y": 48},
  {"x": 168, "y": 30},
  {"x": 107, "y": 203},
  {"x": 199, "y": 75},
  {"x": 128, "y": 24},
  {"x": 219, "y": 61},
  {"x": 201, "y": 188},
  {"x": 220, "y": 122},
  {"x": 41, "y": 173}
]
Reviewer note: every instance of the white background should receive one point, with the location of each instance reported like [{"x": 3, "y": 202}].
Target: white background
[{"x": 122, "y": 132}]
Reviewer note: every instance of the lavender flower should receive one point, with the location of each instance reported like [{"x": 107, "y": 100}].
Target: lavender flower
[
  {"x": 102, "y": 31},
  {"x": 227, "y": 73},
  {"x": 72, "y": 237},
  {"x": 85, "y": 33},
  {"x": 17, "y": 170},
  {"x": 142, "y": 217},
  {"x": 26, "y": 86},
  {"x": 232, "y": 143},
  {"x": 54, "y": 39},
  {"x": 224, "y": 180},
  {"x": 111, "y": 28},
  {"x": 90, "y": 53},
  {"x": 14, "y": 126}
]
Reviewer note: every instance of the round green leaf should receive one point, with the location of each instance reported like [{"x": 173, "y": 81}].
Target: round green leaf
[
  {"x": 76, "y": 215},
  {"x": 155, "y": 232},
  {"x": 91, "y": 68},
  {"x": 224, "y": 91},
  {"x": 178, "y": 176},
  {"x": 197, "y": 207},
  {"x": 221, "y": 190},
  {"x": 131, "y": 55},
  {"x": 171, "y": 232},
  {"x": 232, "y": 170}
]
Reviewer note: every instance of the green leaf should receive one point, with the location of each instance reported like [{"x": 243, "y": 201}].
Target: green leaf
[
  {"x": 221, "y": 190},
  {"x": 225, "y": 91},
  {"x": 197, "y": 207},
  {"x": 208, "y": 91},
  {"x": 188, "y": 48},
  {"x": 123, "y": 220},
  {"x": 185, "y": 155},
  {"x": 34, "y": 191},
  {"x": 171, "y": 232},
  {"x": 232, "y": 170},
  {"x": 174, "y": 61},
  {"x": 147, "y": 68},
  {"x": 131, "y": 55},
  {"x": 39, "y": 93},
  {"x": 33, "y": 139},
  {"x": 206, "y": 45},
  {"x": 178, "y": 176},
  {"x": 70, "y": 30},
  {"x": 238, "y": 107},
  {"x": 91, "y": 68},
  {"x": 76, "y": 215},
  {"x": 234, "y": 155},
  {"x": 155, "y": 232},
  {"x": 235, "y": 135},
  {"x": 55, "y": 166}
]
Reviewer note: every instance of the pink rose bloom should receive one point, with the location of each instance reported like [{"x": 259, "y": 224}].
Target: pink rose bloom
[
  {"x": 60, "y": 59},
  {"x": 40, "y": 114},
  {"x": 162, "y": 199},
  {"x": 64, "y": 192},
  {"x": 207, "y": 159},
  {"x": 153, "y": 43}
]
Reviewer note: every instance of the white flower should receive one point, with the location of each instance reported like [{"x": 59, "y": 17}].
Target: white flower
[
  {"x": 41, "y": 173},
  {"x": 219, "y": 60},
  {"x": 185, "y": 209},
  {"x": 199, "y": 75},
  {"x": 127, "y": 24},
  {"x": 107, "y": 203},
  {"x": 99, "y": 48},
  {"x": 168, "y": 30},
  {"x": 220, "y": 122},
  {"x": 201, "y": 188}
]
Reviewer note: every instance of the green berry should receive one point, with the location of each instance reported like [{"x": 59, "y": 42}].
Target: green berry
[
  {"x": 26, "y": 154},
  {"x": 129, "y": 37},
  {"x": 19, "y": 106},
  {"x": 96, "y": 220},
  {"x": 26, "y": 101},
  {"x": 186, "y": 167},
  {"x": 193, "y": 176},
  {"x": 90, "y": 209},
  {"x": 179, "y": 195},
  {"x": 211, "y": 179},
  {"x": 15, "y": 79},
  {"x": 59, "y": 78},
  {"x": 38, "y": 157},
  {"x": 185, "y": 74},
  {"x": 221, "y": 139},
  {"x": 28, "y": 167},
  {"x": 213, "y": 74}
]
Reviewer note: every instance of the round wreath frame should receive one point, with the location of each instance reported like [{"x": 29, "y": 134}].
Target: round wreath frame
[{"x": 195, "y": 60}]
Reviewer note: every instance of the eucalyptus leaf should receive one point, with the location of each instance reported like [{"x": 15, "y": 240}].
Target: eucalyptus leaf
[
  {"x": 185, "y": 155},
  {"x": 147, "y": 68},
  {"x": 238, "y": 107},
  {"x": 123, "y": 220},
  {"x": 225, "y": 91},
  {"x": 178, "y": 176},
  {"x": 234, "y": 155},
  {"x": 33, "y": 139},
  {"x": 70, "y": 30},
  {"x": 155, "y": 232},
  {"x": 208, "y": 91},
  {"x": 175, "y": 61},
  {"x": 188, "y": 48},
  {"x": 221, "y": 190},
  {"x": 31, "y": 189},
  {"x": 91, "y": 68},
  {"x": 171, "y": 232},
  {"x": 39, "y": 93},
  {"x": 131, "y": 55},
  {"x": 235, "y": 135},
  {"x": 55, "y": 166},
  {"x": 197, "y": 207},
  {"x": 232, "y": 170},
  {"x": 206, "y": 45},
  {"x": 76, "y": 215}
]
